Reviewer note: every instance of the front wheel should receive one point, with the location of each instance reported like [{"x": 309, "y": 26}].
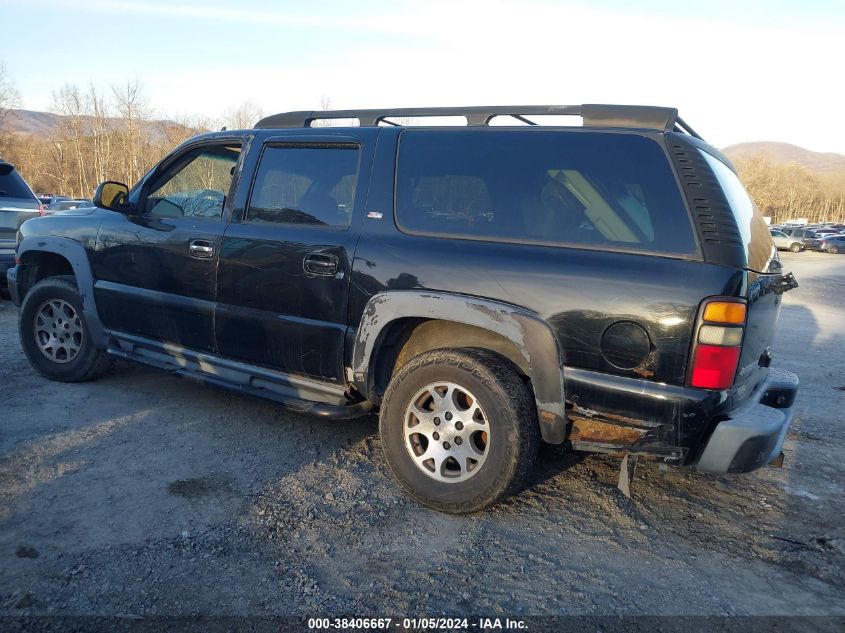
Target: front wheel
[
  {"x": 54, "y": 335},
  {"x": 795, "y": 248},
  {"x": 459, "y": 429}
]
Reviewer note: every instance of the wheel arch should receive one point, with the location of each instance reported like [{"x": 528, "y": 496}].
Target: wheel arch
[
  {"x": 395, "y": 326},
  {"x": 43, "y": 257}
]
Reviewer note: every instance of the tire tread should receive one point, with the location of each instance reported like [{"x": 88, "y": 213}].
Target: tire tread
[
  {"x": 499, "y": 375},
  {"x": 99, "y": 361}
]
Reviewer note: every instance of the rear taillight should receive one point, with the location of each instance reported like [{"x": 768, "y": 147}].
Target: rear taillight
[
  {"x": 717, "y": 344},
  {"x": 42, "y": 210}
]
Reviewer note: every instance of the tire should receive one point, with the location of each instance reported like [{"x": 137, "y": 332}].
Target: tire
[
  {"x": 54, "y": 304},
  {"x": 796, "y": 248},
  {"x": 498, "y": 445},
  {"x": 833, "y": 250}
]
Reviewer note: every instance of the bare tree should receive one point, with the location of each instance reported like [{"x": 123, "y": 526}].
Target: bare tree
[
  {"x": 9, "y": 98},
  {"x": 325, "y": 104},
  {"x": 133, "y": 110},
  {"x": 787, "y": 191},
  {"x": 101, "y": 134},
  {"x": 73, "y": 132},
  {"x": 244, "y": 116}
]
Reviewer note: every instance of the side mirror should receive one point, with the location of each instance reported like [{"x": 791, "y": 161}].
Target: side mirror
[{"x": 112, "y": 195}]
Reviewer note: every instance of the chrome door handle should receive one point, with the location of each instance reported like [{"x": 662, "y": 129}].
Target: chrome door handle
[
  {"x": 201, "y": 249},
  {"x": 320, "y": 264}
]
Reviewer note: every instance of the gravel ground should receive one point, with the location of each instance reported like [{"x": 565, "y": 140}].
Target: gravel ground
[{"x": 144, "y": 494}]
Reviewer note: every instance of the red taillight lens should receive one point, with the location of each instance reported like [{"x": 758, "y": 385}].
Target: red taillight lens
[
  {"x": 714, "y": 367},
  {"x": 42, "y": 210}
]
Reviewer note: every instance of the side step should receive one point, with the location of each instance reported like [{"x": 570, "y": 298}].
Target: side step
[{"x": 309, "y": 397}]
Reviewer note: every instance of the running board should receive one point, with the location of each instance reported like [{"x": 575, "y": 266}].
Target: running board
[{"x": 310, "y": 397}]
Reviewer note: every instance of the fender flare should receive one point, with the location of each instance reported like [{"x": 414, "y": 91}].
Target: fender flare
[
  {"x": 531, "y": 335},
  {"x": 75, "y": 254}
]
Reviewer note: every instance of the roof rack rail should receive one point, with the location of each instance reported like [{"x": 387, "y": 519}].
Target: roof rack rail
[{"x": 593, "y": 115}]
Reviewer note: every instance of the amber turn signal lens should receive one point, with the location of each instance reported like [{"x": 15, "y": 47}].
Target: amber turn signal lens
[{"x": 724, "y": 312}]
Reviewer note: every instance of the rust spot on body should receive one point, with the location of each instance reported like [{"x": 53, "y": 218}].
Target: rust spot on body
[
  {"x": 592, "y": 430},
  {"x": 643, "y": 372},
  {"x": 578, "y": 411}
]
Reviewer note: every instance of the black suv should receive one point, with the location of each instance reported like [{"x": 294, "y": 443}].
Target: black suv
[{"x": 609, "y": 286}]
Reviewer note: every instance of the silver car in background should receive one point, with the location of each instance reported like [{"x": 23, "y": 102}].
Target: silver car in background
[
  {"x": 17, "y": 204},
  {"x": 785, "y": 242}
]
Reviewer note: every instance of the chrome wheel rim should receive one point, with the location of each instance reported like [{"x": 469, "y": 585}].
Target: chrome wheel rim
[
  {"x": 58, "y": 331},
  {"x": 446, "y": 431}
]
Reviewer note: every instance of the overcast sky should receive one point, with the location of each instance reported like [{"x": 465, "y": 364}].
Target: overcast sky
[{"x": 737, "y": 71}]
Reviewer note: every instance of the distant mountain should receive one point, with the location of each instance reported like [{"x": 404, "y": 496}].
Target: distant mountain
[
  {"x": 42, "y": 124},
  {"x": 786, "y": 153}
]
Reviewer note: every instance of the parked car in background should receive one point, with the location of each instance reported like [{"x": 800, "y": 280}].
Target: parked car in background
[
  {"x": 66, "y": 205},
  {"x": 833, "y": 244},
  {"x": 48, "y": 198},
  {"x": 805, "y": 235},
  {"x": 786, "y": 242},
  {"x": 17, "y": 204}
]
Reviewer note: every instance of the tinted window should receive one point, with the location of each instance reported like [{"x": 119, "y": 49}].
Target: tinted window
[
  {"x": 579, "y": 188},
  {"x": 749, "y": 220},
  {"x": 13, "y": 186},
  {"x": 198, "y": 185},
  {"x": 305, "y": 185}
]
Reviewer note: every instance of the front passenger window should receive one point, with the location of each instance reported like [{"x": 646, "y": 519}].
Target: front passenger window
[{"x": 196, "y": 186}]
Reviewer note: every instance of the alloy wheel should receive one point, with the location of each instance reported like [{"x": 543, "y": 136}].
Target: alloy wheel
[
  {"x": 447, "y": 434},
  {"x": 58, "y": 330}
]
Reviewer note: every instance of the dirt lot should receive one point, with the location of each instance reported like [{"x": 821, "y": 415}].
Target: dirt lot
[{"x": 147, "y": 494}]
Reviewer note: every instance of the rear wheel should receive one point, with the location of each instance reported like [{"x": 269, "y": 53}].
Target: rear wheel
[
  {"x": 833, "y": 249},
  {"x": 795, "y": 248},
  {"x": 54, "y": 335},
  {"x": 459, "y": 429}
]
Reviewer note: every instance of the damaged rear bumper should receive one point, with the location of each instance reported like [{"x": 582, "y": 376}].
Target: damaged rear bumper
[{"x": 753, "y": 435}]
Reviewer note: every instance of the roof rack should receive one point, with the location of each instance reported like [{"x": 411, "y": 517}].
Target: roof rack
[{"x": 593, "y": 115}]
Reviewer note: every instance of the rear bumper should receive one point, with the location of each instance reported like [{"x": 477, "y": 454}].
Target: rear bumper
[{"x": 753, "y": 435}]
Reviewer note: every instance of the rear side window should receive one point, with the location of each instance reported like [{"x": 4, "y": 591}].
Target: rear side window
[
  {"x": 749, "y": 220},
  {"x": 613, "y": 191},
  {"x": 305, "y": 185},
  {"x": 13, "y": 186}
]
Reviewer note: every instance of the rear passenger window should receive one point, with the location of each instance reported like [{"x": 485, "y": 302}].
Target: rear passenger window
[
  {"x": 583, "y": 188},
  {"x": 305, "y": 185}
]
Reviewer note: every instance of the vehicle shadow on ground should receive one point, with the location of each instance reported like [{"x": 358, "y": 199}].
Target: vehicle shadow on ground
[
  {"x": 811, "y": 480},
  {"x": 553, "y": 460},
  {"x": 116, "y": 475}
]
